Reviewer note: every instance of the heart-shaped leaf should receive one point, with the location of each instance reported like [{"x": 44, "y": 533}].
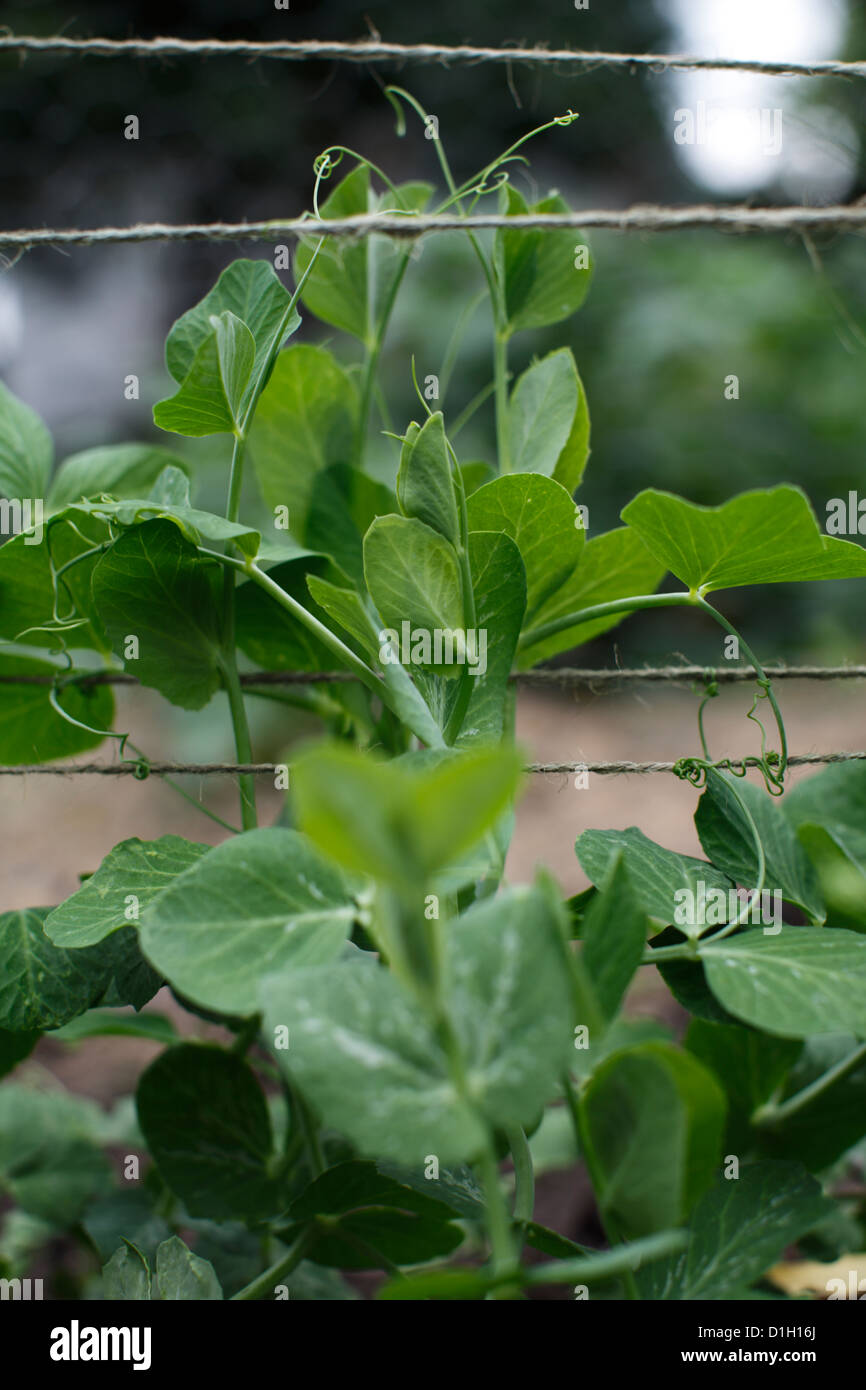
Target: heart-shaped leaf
[
  {"x": 737, "y": 1231},
  {"x": 305, "y": 422},
  {"x": 376, "y": 1069},
  {"x": 545, "y": 279},
  {"x": 31, "y": 730},
  {"x": 548, "y": 420},
  {"x": 424, "y": 484},
  {"x": 803, "y": 981},
  {"x": 26, "y": 450},
  {"x": 129, "y": 877},
  {"x": 250, "y": 290},
  {"x": 540, "y": 517},
  {"x": 206, "y": 1122},
  {"x": 728, "y": 840},
  {"x": 655, "y": 1119},
  {"x": 261, "y": 903},
  {"x": 151, "y": 585},
  {"x": 413, "y": 577},
  {"x": 214, "y": 391},
  {"x": 769, "y": 536},
  {"x": 122, "y": 470},
  {"x": 667, "y": 885}
]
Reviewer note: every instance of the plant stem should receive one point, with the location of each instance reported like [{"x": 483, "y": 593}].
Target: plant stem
[
  {"x": 266, "y": 1282},
  {"x": 687, "y": 950},
  {"x": 524, "y": 1174},
  {"x": 228, "y": 659},
  {"x": 635, "y": 604},
  {"x": 775, "y": 1114},
  {"x": 374, "y": 350},
  {"x": 763, "y": 678},
  {"x": 500, "y": 379},
  {"x": 503, "y": 1256},
  {"x": 587, "y": 1152}
]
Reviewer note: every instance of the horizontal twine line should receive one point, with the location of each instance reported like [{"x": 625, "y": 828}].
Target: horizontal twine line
[
  {"x": 164, "y": 769},
  {"x": 376, "y": 51},
  {"x": 641, "y": 218},
  {"x": 563, "y": 676}
]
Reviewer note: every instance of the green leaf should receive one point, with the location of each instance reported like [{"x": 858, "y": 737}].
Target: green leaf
[
  {"x": 803, "y": 981},
  {"x": 540, "y": 517},
  {"x": 129, "y": 877},
  {"x": 614, "y": 934},
  {"x": 105, "y": 1023},
  {"x": 375, "y": 1068},
  {"x": 126, "y": 1276},
  {"x": 206, "y": 1122},
  {"x": 401, "y": 821},
  {"x": 768, "y": 536},
  {"x": 213, "y": 394},
  {"x": 542, "y": 285},
  {"x": 129, "y": 979},
  {"x": 31, "y": 731},
  {"x": 657, "y": 875},
  {"x": 499, "y": 582},
  {"x": 152, "y": 585},
  {"x": 14, "y": 1047},
  {"x": 251, "y": 291},
  {"x": 835, "y": 800},
  {"x": 27, "y": 597},
  {"x": 365, "y": 1058},
  {"x": 182, "y": 1275},
  {"x": 49, "y": 1163},
  {"x": 833, "y": 1121},
  {"x": 345, "y": 609},
  {"x": 343, "y": 503},
  {"x": 413, "y": 577},
  {"x": 274, "y": 639},
  {"x": 122, "y": 470},
  {"x": 26, "y": 450},
  {"x": 614, "y": 565},
  {"x": 42, "y": 986},
  {"x": 425, "y": 488},
  {"x": 352, "y": 280},
  {"x": 305, "y": 422},
  {"x": 749, "y": 1065},
  {"x": 655, "y": 1119},
  {"x": 260, "y": 903},
  {"x": 194, "y": 524},
  {"x": 398, "y": 1222},
  {"x": 548, "y": 420},
  {"x": 728, "y": 840},
  {"x": 125, "y": 1214},
  {"x": 336, "y": 288},
  {"x": 738, "y": 1230}
]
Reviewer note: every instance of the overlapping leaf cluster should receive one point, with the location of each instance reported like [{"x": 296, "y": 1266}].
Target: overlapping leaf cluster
[{"x": 403, "y": 1018}]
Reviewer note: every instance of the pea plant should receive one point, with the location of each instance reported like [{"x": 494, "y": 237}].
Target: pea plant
[{"x": 409, "y": 1038}]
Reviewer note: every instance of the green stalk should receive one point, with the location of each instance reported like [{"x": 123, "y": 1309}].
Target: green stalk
[
  {"x": 763, "y": 678},
  {"x": 464, "y": 693},
  {"x": 524, "y": 1174},
  {"x": 503, "y": 1254},
  {"x": 228, "y": 657},
  {"x": 500, "y": 377},
  {"x": 584, "y": 1144},
  {"x": 638, "y": 602},
  {"x": 769, "y": 1115},
  {"x": 374, "y": 350},
  {"x": 265, "y": 1283}
]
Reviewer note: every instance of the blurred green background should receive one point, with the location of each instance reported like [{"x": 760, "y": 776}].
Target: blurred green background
[{"x": 667, "y": 319}]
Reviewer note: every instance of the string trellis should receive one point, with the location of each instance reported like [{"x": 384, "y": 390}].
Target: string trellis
[{"x": 647, "y": 218}]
